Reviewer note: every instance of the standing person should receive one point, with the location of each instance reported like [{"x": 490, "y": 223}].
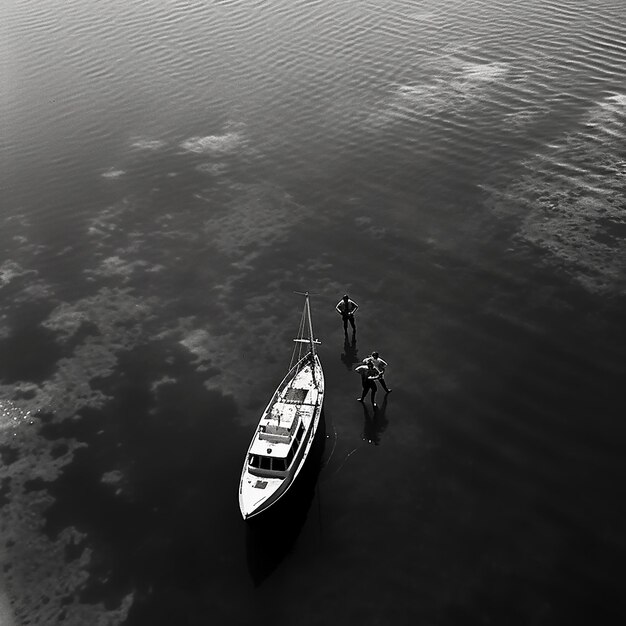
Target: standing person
[
  {"x": 347, "y": 308},
  {"x": 368, "y": 375},
  {"x": 380, "y": 365}
]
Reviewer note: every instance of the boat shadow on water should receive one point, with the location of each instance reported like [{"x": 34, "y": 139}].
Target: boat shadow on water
[{"x": 272, "y": 535}]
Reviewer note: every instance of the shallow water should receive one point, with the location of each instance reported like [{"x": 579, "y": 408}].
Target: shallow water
[{"x": 173, "y": 173}]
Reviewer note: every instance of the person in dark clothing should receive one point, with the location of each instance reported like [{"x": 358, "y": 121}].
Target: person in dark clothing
[
  {"x": 347, "y": 308},
  {"x": 368, "y": 375}
]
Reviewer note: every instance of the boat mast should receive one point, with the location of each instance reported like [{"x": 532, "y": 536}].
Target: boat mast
[
  {"x": 307, "y": 306},
  {"x": 308, "y": 311}
]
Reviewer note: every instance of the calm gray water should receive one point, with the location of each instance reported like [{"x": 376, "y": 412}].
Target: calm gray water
[{"x": 172, "y": 171}]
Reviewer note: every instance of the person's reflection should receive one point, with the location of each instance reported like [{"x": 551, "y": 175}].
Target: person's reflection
[
  {"x": 349, "y": 354},
  {"x": 374, "y": 424}
]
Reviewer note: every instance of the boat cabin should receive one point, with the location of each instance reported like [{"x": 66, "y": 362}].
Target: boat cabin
[
  {"x": 279, "y": 436},
  {"x": 267, "y": 462}
]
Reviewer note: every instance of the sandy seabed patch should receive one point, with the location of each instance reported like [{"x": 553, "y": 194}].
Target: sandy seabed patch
[
  {"x": 42, "y": 585},
  {"x": 570, "y": 201}
]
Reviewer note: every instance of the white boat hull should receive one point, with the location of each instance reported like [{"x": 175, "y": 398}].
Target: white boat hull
[{"x": 298, "y": 400}]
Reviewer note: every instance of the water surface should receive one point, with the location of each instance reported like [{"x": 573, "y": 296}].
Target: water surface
[{"x": 172, "y": 172}]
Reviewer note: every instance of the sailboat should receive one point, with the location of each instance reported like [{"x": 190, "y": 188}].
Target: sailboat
[{"x": 286, "y": 430}]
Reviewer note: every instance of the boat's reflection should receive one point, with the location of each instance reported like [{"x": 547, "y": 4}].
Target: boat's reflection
[{"x": 271, "y": 536}]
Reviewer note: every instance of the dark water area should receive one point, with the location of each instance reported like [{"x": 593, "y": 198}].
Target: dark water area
[{"x": 172, "y": 173}]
